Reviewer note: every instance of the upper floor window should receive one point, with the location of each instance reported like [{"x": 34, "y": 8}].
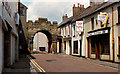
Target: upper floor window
[
  {"x": 119, "y": 14},
  {"x": 74, "y": 29},
  {"x": 92, "y": 23},
  {"x": 119, "y": 45},
  {"x": 22, "y": 11},
  {"x": 65, "y": 31},
  {"x": 69, "y": 29}
]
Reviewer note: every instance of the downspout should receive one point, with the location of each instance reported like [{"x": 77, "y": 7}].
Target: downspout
[{"x": 113, "y": 37}]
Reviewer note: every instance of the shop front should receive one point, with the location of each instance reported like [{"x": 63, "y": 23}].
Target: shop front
[{"x": 99, "y": 44}]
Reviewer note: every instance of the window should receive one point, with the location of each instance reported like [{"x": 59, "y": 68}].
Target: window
[
  {"x": 63, "y": 31},
  {"x": 22, "y": 11},
  {"x": 119, "y": 45},
  {"x": 74, "y": 30},
  {"x": 119, "y": 14},
  {"x": 75, "y": 47},
  {"x": 96, "y": 21},
  {"x": 92, "y": 23},
  {"x": 105, "y": 48},
  {"x": 92, "y": 45},
  {"x": 69, "y": 29},
  {"x": 64, "y": 45}
]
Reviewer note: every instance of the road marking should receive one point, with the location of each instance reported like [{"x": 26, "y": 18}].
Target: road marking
[
  {"x": 39, "y": 66},
  {"x": 36, "y": 65}
]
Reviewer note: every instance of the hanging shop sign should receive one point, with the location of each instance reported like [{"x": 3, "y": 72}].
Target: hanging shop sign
[
  {"x": 103, "y": 17},
  {"x": 7, "y": 6},
  {"x": 79, "y": 26},
  {"x": 98, "y": 32}
]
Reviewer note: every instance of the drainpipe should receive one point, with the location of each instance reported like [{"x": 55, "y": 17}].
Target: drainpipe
[{"x": 113, "y": 37}]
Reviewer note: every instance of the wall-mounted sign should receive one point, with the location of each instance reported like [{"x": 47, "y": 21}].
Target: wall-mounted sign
[
  {"x": 103, "y": 17},
  {"x": 98, "y": 32},
  {"x": 79, "y": 26},
  {"x": 7, "y": 7}
]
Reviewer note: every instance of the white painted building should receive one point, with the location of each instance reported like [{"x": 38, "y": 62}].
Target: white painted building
[{"x": 40, "y": 40}]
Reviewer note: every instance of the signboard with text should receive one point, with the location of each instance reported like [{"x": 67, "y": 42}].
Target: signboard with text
[
  {"x": 98, "y": 32},
  {"x": 103, "y": 17},
  {"x": 79, "y": 26}
]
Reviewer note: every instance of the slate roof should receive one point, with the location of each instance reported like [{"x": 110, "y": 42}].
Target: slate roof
[{"x": 88, "y": 11}]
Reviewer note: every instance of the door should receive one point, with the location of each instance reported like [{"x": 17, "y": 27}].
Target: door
[
  {"x": 80, "y": 47},
  {"x": 97, "y": 48},
  {"x": 60, "y": 43},
  {"x": 70, "y": 47}
]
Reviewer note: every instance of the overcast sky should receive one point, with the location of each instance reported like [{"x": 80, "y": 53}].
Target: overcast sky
[{"x": 51, "y": 9}]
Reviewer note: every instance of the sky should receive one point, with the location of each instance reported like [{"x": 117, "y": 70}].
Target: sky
[{"x": 51, "y": 9}]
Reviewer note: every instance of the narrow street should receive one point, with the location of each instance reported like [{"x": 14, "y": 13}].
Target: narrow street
[{"x": 67, "y": 63}]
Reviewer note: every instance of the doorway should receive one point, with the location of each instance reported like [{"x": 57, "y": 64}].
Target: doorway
[
  {"x": 80, "y": 47},
  {"x": 70, "y": 47},
  {"x": 60, "y": 43}
]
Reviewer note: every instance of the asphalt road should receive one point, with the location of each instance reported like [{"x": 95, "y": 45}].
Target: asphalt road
[{"x": 65, "y": 63}]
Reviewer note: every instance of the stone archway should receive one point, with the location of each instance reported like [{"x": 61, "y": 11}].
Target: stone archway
[
  {"x": 46, "y": 27},
  {"x": 49, "y": 36}
]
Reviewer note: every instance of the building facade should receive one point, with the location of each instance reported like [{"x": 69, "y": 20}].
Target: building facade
[
  {"x": 8, "y": 33},
  {"x": 23, "y": 30},
  {"x": 100, "y": 36},
  {"x": 102, "y": 39}
]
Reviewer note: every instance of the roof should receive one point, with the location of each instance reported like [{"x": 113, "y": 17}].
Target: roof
[
  {"x": 65, "y": 21},
  {"x": 24, "y": 5},
  {"x": 68, "y": 20},
  {"x": 92, "y": 11},
  {"x": 88, "y": 11}
]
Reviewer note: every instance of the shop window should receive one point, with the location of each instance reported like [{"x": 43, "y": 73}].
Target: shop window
[
  {"x": 119, "y": 14},
  {"x": 75, "y": 47},
  {"x": 92, "y": 46},
  {"x": 105, "y": 46},
  {"x": 92, "y": 23}
]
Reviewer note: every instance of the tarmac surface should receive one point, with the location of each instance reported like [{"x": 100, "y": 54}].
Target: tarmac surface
[
  {"x": 67, "y": 63},
  {"x": 45, "y": 63}
]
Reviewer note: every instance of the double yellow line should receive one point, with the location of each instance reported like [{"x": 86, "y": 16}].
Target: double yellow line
[{"x": 36, "y": 65}]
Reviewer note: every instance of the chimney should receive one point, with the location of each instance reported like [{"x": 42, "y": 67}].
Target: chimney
[
  {"x": 96, "y": 2},
  {"x": 64, "y": 17},
  {"x": 77, "y": 9}
]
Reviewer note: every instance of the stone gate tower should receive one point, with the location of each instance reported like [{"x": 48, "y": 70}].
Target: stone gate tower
[{"x": 46, "y": 27}]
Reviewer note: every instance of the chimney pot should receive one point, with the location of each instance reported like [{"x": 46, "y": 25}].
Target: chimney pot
[
  {"x": 78, "y": 4},
  {"x": 73, "y": 5}
]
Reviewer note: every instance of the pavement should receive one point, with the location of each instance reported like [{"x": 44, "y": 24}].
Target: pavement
[
  {"x": 21, "y": 66},
  {"x": 102, "y": 63}
]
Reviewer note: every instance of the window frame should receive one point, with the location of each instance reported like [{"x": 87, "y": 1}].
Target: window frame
[
  {"x": 118, "y": 14},
  {"x": 92, "y": 23},
  {"x": 22, "y": 14}
]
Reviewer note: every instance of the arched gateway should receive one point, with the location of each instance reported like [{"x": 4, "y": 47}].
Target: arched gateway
[{"x": 44, "y": 26}]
